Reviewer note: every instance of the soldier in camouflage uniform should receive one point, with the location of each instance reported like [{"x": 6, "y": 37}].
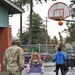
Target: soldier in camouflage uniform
[{"x": 13, "y": 59}]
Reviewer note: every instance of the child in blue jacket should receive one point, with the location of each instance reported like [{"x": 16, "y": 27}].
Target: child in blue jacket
[{"x": 60, "y": 57}]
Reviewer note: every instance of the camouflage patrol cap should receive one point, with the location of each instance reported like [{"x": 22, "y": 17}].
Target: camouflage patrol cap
[{"x": 15, "y": 41}]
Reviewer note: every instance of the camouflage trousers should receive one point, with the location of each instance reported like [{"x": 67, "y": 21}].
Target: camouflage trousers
[{"x": 17, "y": 73}]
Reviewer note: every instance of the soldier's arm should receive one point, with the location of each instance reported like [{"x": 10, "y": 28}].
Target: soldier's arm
[
  {"x": 5, "y": 60},
  {"x": 21, "y": 59}
]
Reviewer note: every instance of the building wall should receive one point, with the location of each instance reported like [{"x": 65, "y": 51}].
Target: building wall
[
  {"x": 5, "y": 42},
  {"x": 4, "y": 19}
]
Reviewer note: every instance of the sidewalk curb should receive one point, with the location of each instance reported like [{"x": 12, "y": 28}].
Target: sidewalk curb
[
  {"x": 4, "y": 73},
  {"x": 47, "y": 65}
]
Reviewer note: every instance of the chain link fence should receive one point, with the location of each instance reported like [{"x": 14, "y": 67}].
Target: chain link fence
[{"x": 40, "y": 48}]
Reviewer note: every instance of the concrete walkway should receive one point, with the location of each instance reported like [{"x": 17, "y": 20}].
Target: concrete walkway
[{"x": 49, "y": 70}]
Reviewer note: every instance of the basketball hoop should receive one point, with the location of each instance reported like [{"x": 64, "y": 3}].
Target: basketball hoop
[{"x": 58, "y": 11}]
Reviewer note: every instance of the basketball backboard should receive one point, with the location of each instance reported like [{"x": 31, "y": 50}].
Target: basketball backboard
[{"x": 58, "y": 11}]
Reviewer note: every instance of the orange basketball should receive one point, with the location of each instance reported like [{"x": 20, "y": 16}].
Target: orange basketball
[{"x": 60, "y": 23}]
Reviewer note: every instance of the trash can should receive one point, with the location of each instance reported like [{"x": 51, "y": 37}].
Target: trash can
[{"x": 71, "y": 62}]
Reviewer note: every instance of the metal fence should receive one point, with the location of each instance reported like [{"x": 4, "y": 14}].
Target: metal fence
[{"x": 40, "y": 48}]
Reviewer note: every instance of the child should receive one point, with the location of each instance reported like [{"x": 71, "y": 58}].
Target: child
[
  {"x": 35, "y": 66},
  {"x": 60, "y": 58}
]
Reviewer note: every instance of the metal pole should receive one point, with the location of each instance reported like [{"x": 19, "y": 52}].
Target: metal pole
[
  {"x": 21, "y": 27},
  {"x": 46, "y": 37},
  {"x": 39, "y": 48},
  {"x": 30, "y": 27}
]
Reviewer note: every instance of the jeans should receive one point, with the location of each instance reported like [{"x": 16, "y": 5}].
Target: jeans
[{"x": 61, "y": 67}]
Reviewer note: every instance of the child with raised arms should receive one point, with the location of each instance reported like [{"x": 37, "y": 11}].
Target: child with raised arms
[{"x": 35, "y": 65}]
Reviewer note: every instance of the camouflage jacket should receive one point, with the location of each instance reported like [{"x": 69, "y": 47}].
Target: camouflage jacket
[{"x": 13, "y": 59}]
